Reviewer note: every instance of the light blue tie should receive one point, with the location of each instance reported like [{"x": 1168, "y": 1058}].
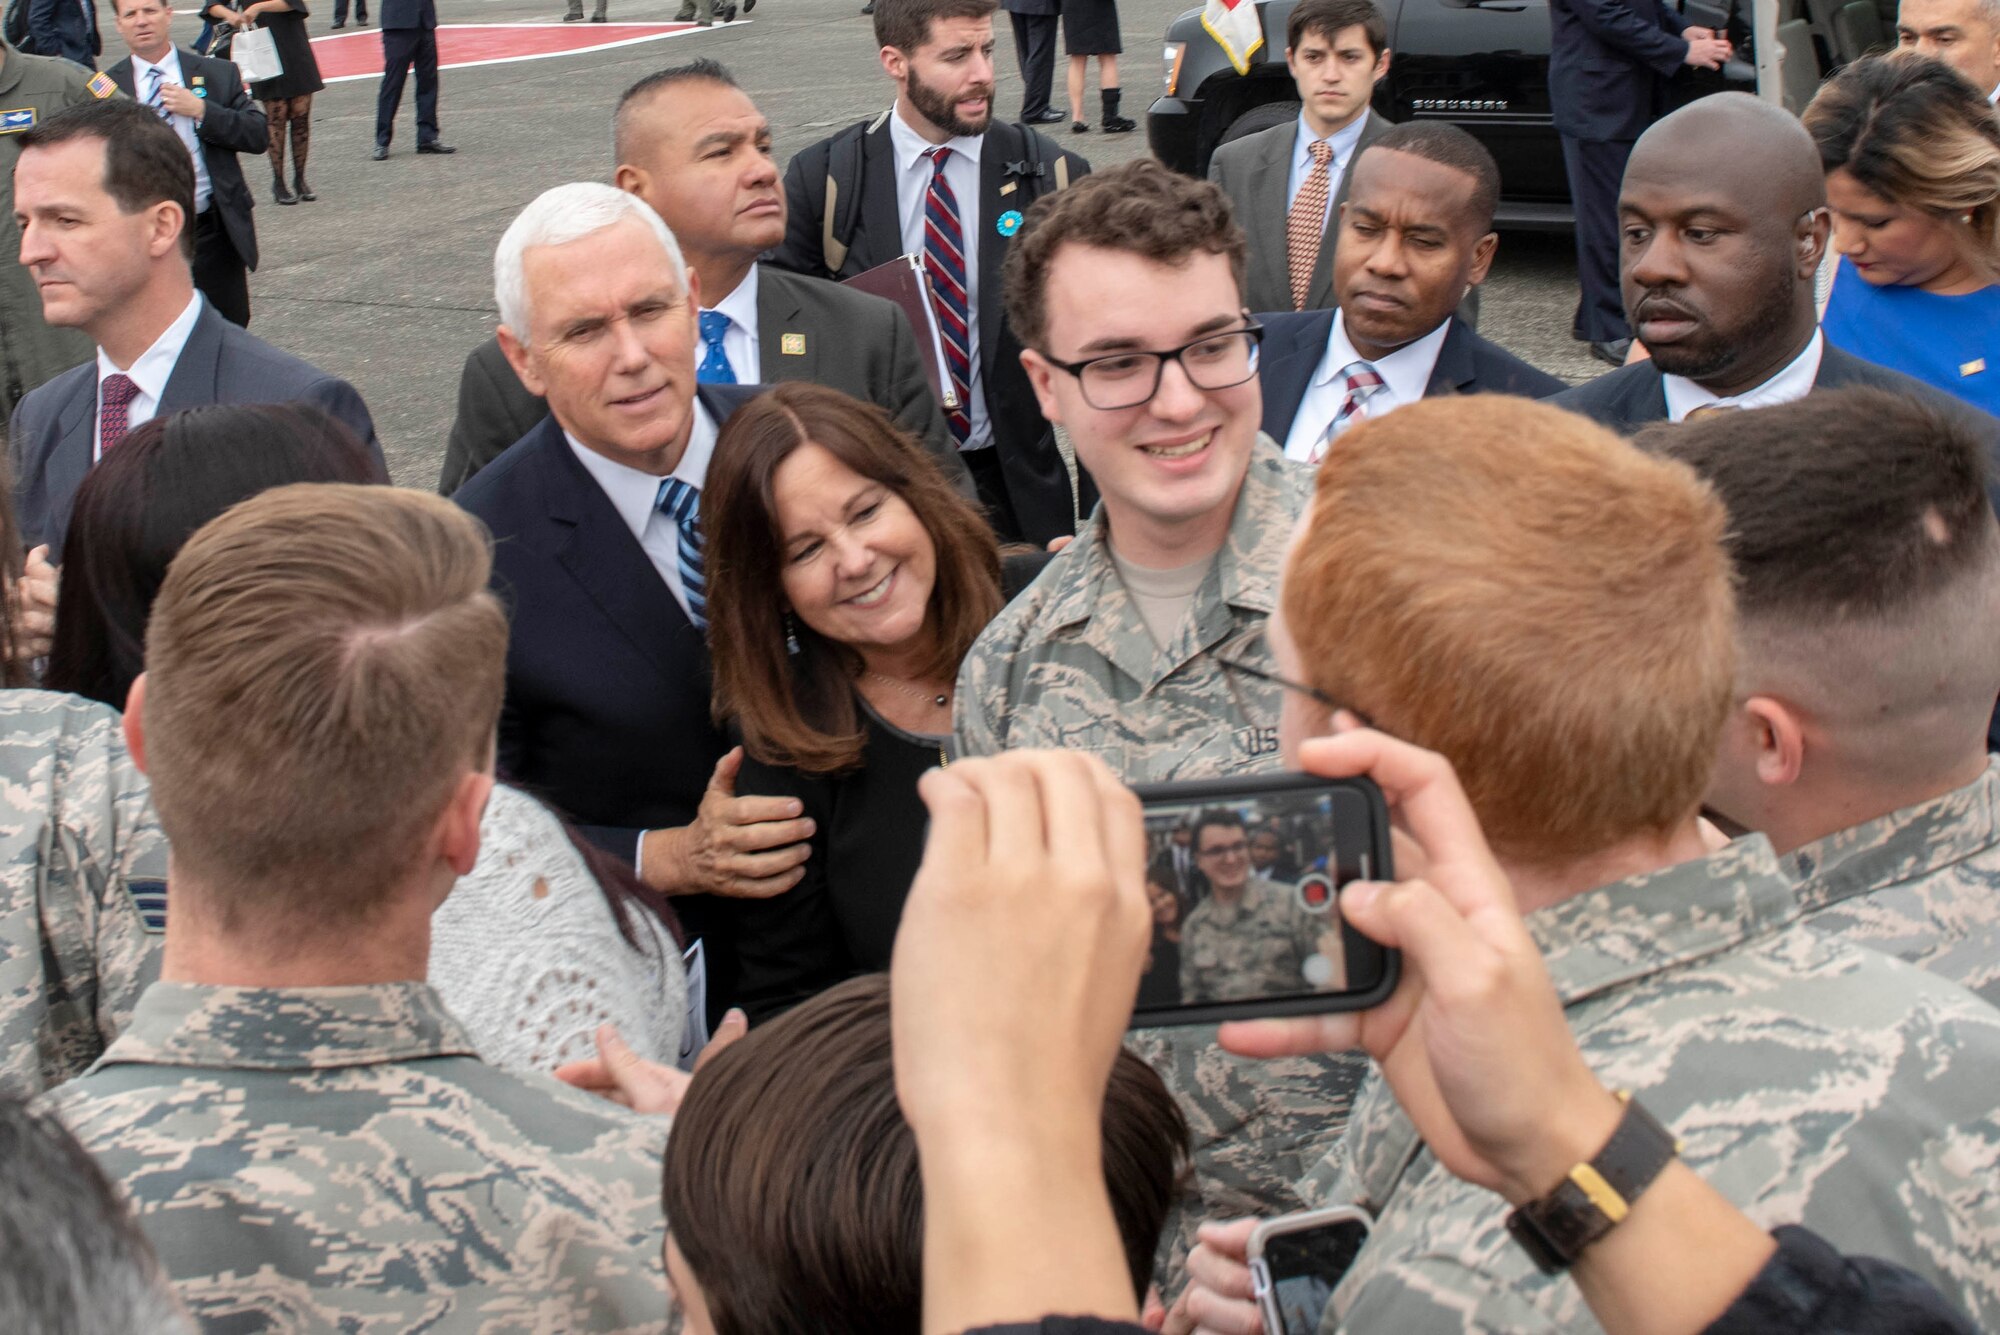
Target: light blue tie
[
  {"x": 715, "y": 368},
  {"x": 681, "y": 502},
  {"x": 154, "y": 82}
]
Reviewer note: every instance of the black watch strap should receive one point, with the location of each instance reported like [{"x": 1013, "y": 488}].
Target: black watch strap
[{"x": 1596, "y": 1195}]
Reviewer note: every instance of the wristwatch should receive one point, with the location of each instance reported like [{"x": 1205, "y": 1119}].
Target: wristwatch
[{"x": 1596, "y": 1195}]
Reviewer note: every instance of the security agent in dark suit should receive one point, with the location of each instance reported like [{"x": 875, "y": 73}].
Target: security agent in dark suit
[
  {"x": 1609, "y": 63},
  {"x": 597, "y": 553},
  {"x": 123, "y": 278},
  {"x": 206, "y": 104},
  {"x": 1416, "y": 235},
  {"x": 409, "y": 37},
  {"x": 858, "y": 200},
  {"x": 65, "y": 28},
  {"x": 1718, "y": 272},
  {"x": 1336, "y": 50},
  {"x": 1036, "y": 23},
  {"x": 694, "y": 146}
]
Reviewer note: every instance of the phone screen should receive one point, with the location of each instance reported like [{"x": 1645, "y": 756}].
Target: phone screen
[
  {"x": 1244, "y": 882},
  {"x": 1302, "y": 1269}
]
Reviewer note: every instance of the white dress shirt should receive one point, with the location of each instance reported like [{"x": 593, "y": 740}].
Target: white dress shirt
[
  {"x": 1406, "y": 374},
  {"x": 1342, "y": 141},
  {"x": 149, "y": 374},
  {"x": 1787, "y": 386},
  {"x": 184, "y": 126},
  {"x": 635, "y": 495},
  {"x": 739, "y": 341},
  {"x": 961, "y": 173}
]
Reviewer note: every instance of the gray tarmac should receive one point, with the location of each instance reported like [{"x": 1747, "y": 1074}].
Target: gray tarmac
[{"x": 387, "y": 279}]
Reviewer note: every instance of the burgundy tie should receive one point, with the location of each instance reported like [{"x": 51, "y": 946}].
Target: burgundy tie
[{"x": 117, "y": 392}]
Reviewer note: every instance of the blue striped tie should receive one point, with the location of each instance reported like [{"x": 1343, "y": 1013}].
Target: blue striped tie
[
  {"x": 944, "y": 260},
  {"x": 681, "y": 502}
]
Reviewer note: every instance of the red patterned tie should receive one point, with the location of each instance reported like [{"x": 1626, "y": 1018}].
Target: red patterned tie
[
  {"x": 117, "y": 392},
  {"x": 1358, "y": 383},
  {"x": 944, "y": 258}
]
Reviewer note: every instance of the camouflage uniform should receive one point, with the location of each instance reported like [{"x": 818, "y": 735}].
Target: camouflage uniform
[
  {"x": 1922, "y": 883},
  {"x": 1069, "y": 663},
  {"x": 1254, "y": 947},
  {"x": 80, "y": 849},
  {"x": 338, "y": 1158},
  {"x": 1810, "y": 1081}
]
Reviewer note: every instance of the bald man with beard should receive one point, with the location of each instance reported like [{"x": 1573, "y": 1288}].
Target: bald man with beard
[{"x": 1724, "y": 218}]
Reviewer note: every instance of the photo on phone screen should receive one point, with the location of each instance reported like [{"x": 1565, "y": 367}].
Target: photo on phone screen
[
  {"x": 1299, "y": 1268},
  {"x": 1244, "y": 881}
]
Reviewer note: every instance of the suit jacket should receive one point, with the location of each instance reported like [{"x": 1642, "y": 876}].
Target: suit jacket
[
  {"x": 1294, "y": 342},
  {"x": 66, "y": 28},
  {"x": 1042, "y": 8},
  {"x": 409, "y": 14},
  {"x": 233, "y": 123},
  {"x": 852, "y": 341},
  {"x": 53, "y": 439},
  {"x": 1255, "y": 172},
  {"x": 1038, "y": 478},
  {"x": 1609, "y": 62},
  {"x": 607, "y": 709}
]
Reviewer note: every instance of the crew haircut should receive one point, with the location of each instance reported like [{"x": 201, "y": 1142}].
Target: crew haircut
[
  {"x": 323, "y": 665},
  {"x": 1221, "y": 817},
  {"x": 1914, "y": 131},
  {"x": 906, "y": 24},
  {"x": 1524, "y": 592},
  {"x": 792, "y": 1181},
  {"x": 76, "y": 1263},
  {"x": 556, "y": 217},
  {"x": 1449, "y": 146},
  {"x": 1868, "y": 567},
  {"x": 1139, "y": 207},
  {"x": 1327, "y": 19},
  {"x": 145, "y": 162},
  {"x": 788, "y": 688},
  {"x": 635, "y": 98}
]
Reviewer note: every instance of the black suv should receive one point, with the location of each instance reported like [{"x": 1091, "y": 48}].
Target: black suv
[{"x": 1481, "y": 64}]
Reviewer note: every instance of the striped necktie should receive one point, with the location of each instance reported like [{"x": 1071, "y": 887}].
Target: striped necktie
[
  {"x": 1359, "y": 382},
  {"x": 681, "y": 502},
  {"x": 154, "y": 81},
  {"x": 944, "y": 260}
]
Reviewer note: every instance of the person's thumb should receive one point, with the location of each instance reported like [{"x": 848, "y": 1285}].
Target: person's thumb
[
  {"x": 734, "y": 1025},
  {"x": 617, "y": 1053},
  {"x": 723, "y": 781}
]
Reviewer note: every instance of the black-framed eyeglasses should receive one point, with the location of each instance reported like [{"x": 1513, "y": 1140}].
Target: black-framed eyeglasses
[{"x": 1127, "y": 379}]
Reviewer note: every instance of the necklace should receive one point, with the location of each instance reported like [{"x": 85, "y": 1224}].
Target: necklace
[{"x": 940, "y": 700}]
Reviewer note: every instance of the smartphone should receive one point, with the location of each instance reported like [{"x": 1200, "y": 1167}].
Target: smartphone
[
  {"x": 1298, "y": 1260},
  {"x": 1244, "y": 877}
]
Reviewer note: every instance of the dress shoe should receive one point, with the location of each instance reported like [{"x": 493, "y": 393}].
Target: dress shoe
[
  {"x": 336, "y": 27},
  {"x": 868, "y": 8},
  {"x": 1612, "y": 350},
  {"x": 1048, "y": 117},
  {"x": 749, "y": 5},
  {"x": 577, "y": 17},
  {"x": 381, "y": 152},
  {"x": 435, "y": 147},
  {"x": 1079, "y": 127}
]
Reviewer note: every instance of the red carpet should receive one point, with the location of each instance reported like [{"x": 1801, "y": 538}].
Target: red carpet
[{"x": 358, "y": 54}]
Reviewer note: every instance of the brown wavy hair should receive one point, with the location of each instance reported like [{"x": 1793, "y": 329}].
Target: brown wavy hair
[{"x": 799, "y": 709}]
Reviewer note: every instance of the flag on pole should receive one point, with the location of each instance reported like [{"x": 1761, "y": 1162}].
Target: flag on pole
[{"x": 1236, "y": 29}]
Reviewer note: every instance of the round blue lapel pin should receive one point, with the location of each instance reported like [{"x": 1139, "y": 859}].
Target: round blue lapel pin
[{"x": 1008, "y": 223}]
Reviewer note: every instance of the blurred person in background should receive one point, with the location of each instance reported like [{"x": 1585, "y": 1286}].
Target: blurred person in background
[{"x": 1912, "y": 158}]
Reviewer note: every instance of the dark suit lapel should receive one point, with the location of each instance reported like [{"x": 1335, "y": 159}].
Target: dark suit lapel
[
  {"x": 76, "y": 446},
  {"x": 603, "y": 557},
  {"x": 880, "y": 236},
  {"x": 1266, "y": 223},
  {"x": 1373, "y": 127},
  {"x": 1644, "y": 397},
  {"x": 992, "y": 246},
  {"x": 1456, "y": 372},
  {"x": 121, "y": 74},
  {"x": 778, "y": 314},
  {"x": 1285, "y": 372},
  {"x": 196, "y": 377}
]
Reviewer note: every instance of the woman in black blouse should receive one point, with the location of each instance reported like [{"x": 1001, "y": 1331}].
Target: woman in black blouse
[{"x": 846, "y": 581}]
